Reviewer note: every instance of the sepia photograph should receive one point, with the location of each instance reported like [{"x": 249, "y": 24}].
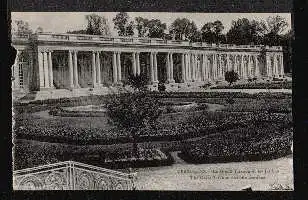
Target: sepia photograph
[{"x": 172, "y": 101}]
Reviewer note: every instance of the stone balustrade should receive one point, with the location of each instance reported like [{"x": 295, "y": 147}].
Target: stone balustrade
[{"x": 136, "y": 40}]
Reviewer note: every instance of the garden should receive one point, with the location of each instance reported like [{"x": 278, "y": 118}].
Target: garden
[
  {"x": 260, "y": 85},
  {"x": 261, "y": 122}
]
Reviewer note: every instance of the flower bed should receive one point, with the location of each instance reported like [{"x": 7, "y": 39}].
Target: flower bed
[
  {"x": 272, "y": 85},
  {"x": 259, "y": 142},
  {"x": 99, "y": 99},
  {"x": 191, "y": 126},
  {"x": 30, "y": 154}
]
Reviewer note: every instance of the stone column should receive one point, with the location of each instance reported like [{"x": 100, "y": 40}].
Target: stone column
[
  {"x": 248, "y": 66},
  {"x": 229, "y": 62},
  {"x": 50, "y": 70},
  {"x": 138, "y": 63},
  {"x": 207, "y": 67},
  {"x": 268, "y": 65},
  {"x": 152, "y": 67},
  {"x": 76, "y": 82},
  {"x": 193, "y": 67},
  {"x": 119, "y": 66},
  {"x": 98, "y": 69},
  {"x": 281, "y": 65},
  {"x": 187, "y": 66},
  {"x": 171, "y": 68},
  {"x": 94, "y": 70},
  {"x": 277, "y": 66},
  {"x": 134, "y": 64},
  {"x": 257, "y": 68},
  {"x": 203, "y": 66},
  {"x": 199, "y": 67},
  {"x": 46, "y": 70},
  {"x": 183, "y": 68},
  {"x": 242, "y": 67},
  {"x": 155, "y": 67},
  {"x": 70, "y": 68},
  {"x": 115, "y": 68},
  {"x": 214, "y": 66},
  {"x": 41, "y": 70}
]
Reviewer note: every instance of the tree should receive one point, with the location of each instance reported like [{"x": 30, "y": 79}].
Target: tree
[
  {"x": 183, "y": 29},
  {"x": 138, "y": 82},
  {"x": 274, "y": 27},
  {"x": 22, "y": 27},
  {"x": 39, "y": 30},
  {"x": 134, "y": 111},
  {"x": 231, "y": 77},
  {"x": 212, "y": 32},
  {"x": 97, "y": 25},
  {"x": 122, "y": 24},
  {"x": 276, "y": 24},
  {"x": 243, "y": 31},
  {"x": 142, "y": 26},
  {"x": 156, "y": 28}
]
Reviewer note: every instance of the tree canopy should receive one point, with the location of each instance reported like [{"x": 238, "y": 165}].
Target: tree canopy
[
  {"x": 22, "y": 27},
  {"x": 123, "y": 25},
  {"x": 212, "y": 32},
  {"x": 97, "y": 25},
  {"x": 183, "y": 29},
  {"x": 243, "y": 31}
]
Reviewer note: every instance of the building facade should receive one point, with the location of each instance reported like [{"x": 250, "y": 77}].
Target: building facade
[{"x": 73, "y": 62}]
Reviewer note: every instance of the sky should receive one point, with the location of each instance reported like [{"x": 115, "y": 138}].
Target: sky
[{"x": 61, "y": 22}]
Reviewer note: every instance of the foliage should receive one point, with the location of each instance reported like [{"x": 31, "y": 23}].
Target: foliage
[
  {"x": 138, "y": 82},
  {"x": 123, "y": 25},
  {"x": 134, "y": 111},
  {"x": 161, "y": 87},
  {"x": 142, "y": 26},
  {"x": 97, "y": 25},
  {"x": 243, "y": 31},
  {"x": 276, "y": 24},
  {"x": 183, "y": 29},
  {"x": 39, "y": 30},
  {"x": 231, "y": 77},
  {"x": 22, "y": 27},
  {"x": 31, "y": 154},
  {"x": 265, "y": 85},
  {"x": 156, "y": 28},
  {"x": 212, "y": 32},
  {"x": 258, "y": 141}
]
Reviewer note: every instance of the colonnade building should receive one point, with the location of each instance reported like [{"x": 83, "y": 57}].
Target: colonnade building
[{"x": 48, "y": 62}]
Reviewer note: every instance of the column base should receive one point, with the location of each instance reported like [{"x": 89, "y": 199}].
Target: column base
[{"x": 171, "y": 81}]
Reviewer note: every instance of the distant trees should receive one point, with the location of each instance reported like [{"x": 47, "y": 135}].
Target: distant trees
[
  {"x": 183, "y": 29},
  {"x": 153, "y": 28},
  {"x": 97, "y": 25},
  {"x": 21, "y": 27},
  {"x": 212, "y": 32},
  {"x": 123, "y": 25},
  {"x": 273, "y": 29},
  {"x": 243, "y": 31},
  {"x": 156, "y": 28},
  {"x": 142, "y": 26},
  {"x": 39, "y": 30}
]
